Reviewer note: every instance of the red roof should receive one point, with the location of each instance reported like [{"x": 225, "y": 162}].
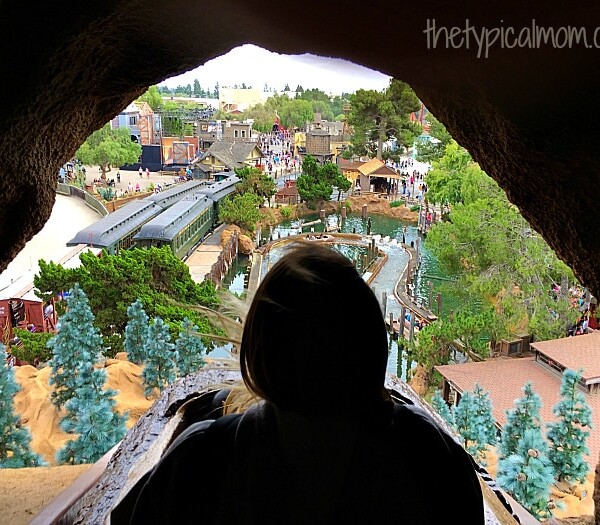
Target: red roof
[
  {"x": 504, "y": 379},
  {"x": 579, "y": 352}
]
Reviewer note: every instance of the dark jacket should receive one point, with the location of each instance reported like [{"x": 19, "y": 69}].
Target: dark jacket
[{"x": 271, "y": 466}]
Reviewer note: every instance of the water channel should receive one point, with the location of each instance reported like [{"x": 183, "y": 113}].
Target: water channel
[{"x": 390, "y": 230}]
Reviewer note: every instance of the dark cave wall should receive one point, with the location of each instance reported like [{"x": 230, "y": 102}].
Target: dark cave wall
[{"x": 528, "y": 116}]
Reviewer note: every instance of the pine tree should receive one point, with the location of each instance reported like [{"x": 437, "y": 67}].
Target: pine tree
[
  {"x": 189, "y": 349},
  {"x": 528, "y": 474},
  {"x": 15, "y": 440},
  {"x": 76, "y": 345},
  {"x": 472, "y": 423},
  {"x": 159, "y": 365},
  {"x": 442, "y": 408},
  {"x": 485, "y": 417},
  {"x": 92, "y": 414},
  {"x": 524, "y": 415},
  {"x": 568, "y": 436},
  {"x": 136, "y": 332}
]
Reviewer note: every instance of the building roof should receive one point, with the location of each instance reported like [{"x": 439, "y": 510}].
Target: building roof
[
  {"x": 232, "y": 154},
  {"x": 504, "y": 379},
  {"x": 579, "y": 352},
  {"x": 370, "y": 166},
  {"x": 386, "y": 172}
]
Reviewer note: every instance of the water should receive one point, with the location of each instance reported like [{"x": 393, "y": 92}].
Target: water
[
  {"x": 385, "y": 281},
  {"x": 384, "y": 226}
]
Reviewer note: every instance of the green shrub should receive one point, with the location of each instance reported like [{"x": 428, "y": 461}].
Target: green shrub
[
  {"x": 107, "y": 193},
  {"x": 414, "y": 207},
  {"x": 395, "y": 204},
  {"x": 286, "y": 212},
  {"x": 34, "y": 345}
]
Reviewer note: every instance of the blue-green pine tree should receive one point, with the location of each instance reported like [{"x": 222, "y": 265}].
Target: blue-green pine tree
[
  {"x": 568, "y": 435},
  {"x": 442, "y": 408},
  {"x": 524, "y": 415},
  {"x": 76, "y": 344},
  {"x": 528, "y": 474},
  {"x": 159, "y": 364},
  {"x": 15, "y": 439},
  {"x": 189, "y": 348},
  {"x": 485, "y": 416},
  {"x": 466, "y": 422},
  {"x": 136, "y": 332},
  {"x": 93, "y": 416}
]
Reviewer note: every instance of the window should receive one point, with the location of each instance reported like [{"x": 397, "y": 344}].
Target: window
[
  {"x": 133, "y": 120},
  {"x": 235, "y": 133},
  {"x": 243, "y": 133}
]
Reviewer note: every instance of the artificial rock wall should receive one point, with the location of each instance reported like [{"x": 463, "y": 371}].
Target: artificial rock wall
[{"x": 528, "y": 116}]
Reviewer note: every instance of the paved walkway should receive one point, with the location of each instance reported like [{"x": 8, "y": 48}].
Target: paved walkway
[{"x": 205, "y": 255}]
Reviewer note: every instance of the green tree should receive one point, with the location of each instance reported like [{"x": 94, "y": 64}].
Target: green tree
[
  {"x": 34, "y": 346},
  {"x": 568, "y": 436},
  {"x": 253, "y": 180},
  {"x": 485, "y": 419},
  {"x": 91, "y": 414},
  {"x": 527, "y": 474},
  {"x": 262, "y": 116},
  {"x": 159, "y": 365},
  {"x": 189, "y": 348},
  {"x": 153, "y": 98},
  {"x": 156, "y": 276},
  {"x": 136, "y": 332},
  {"x": 296, "y": 113},
  {"x": 524, "y": 415},
  {"x": 497, "y": 258},
  {"x": 75, "y": 348},
  {"x": 109, "y": 147},
  {"x": 441, "y": 407},
  {"x": 378, "y": 116},
  {"x": 317, "y": 181},
  {"x": 429, "y": 151},
  {"x": 241, "y": 209},
  {"x": 446, "y": 178},
  {"x": 15, "y": 443},
  {"x": 474, "y": 422}
]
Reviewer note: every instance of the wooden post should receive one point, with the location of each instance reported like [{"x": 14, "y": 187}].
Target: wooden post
[
  {"x": 391, "y": 323},
  {"x": 401, "y": 322},
  {"x": 344, "y": 212},
  {"x": 384, "y": 303},
  {"x": 439, "y": 303},
  {"x": 430, "y": 299},
  {"x": 322, "y": 215},
  {"x": 364, "y": 211},
  {"x": 411, "y": 330}
]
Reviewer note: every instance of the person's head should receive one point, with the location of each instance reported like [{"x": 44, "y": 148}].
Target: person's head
[{"x": 314, "y": 340}]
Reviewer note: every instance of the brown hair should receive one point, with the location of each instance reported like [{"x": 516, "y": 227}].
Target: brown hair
[{"x": 314, "y": 333}]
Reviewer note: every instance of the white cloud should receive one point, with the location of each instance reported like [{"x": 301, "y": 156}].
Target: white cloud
[{"x": 256, "y": 67}]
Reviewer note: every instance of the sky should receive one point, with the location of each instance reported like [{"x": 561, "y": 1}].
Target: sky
[{"x": 256, "y": 66}]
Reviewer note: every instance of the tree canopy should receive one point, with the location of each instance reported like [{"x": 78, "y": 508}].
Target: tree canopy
[
  {"x": 499, "y": 261},
  {"x": 113, "y": 282},
  {"x": 108, "y": 148},
  {"x": 377, "y": 116},
  {"x": 317, "y": 181}
]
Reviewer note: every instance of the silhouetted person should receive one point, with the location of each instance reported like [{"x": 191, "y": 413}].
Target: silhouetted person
[{"x": 325, "y": 444}]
